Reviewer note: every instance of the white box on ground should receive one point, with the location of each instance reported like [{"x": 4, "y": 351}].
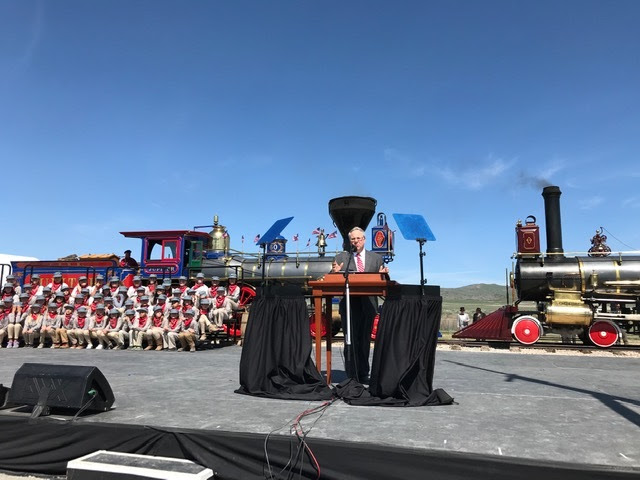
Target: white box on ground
[{"x": 106, "y": 465}]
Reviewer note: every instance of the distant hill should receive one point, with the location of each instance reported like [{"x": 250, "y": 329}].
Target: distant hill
[{"x": 479, "y": 292}]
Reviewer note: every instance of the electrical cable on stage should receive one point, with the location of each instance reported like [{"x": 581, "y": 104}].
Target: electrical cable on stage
[
  {"x": 296, "y": 457},
  {"x": 93, "y": 394}
]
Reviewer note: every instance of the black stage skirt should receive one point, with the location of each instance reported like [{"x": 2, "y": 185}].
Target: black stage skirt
[
  {"x": 276, "y": 356},
  {"x": 404, "y": 355}
]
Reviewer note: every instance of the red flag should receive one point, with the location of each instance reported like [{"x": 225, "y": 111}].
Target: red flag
[
  {"x": 295, "y": 237},
  {"x": 255, "y": 240},
  {"x": 308, "y": 242},
  {"x": 333, "y": 234},
  {"x": 317, "y": 231}
]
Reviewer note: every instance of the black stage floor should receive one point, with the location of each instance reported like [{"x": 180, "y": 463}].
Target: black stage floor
[{"x": 516, "y": 416}]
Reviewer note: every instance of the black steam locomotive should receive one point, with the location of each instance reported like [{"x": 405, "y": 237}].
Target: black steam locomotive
[{"x": 595, "y": 297}]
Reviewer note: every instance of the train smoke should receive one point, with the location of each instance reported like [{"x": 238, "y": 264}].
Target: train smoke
[{"x": 534, "y": 181}]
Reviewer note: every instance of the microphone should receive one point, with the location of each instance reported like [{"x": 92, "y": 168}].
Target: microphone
[{"x": 354, "y": 248}]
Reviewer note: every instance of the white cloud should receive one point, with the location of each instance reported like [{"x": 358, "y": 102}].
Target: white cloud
[
  {"x": 631, "y": 202},
  {"x": 403, "y": 164},
  {"x": 592, "y": 202},
  {"x": 477, "y": 176}
]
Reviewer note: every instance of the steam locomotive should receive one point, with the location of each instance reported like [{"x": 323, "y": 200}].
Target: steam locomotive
[
  {"x": 174, "y": 253},
  {"x": 594, "y": 297}
]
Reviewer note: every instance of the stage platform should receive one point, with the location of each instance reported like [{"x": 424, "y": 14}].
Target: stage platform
[{"x": 515, "y": 416}]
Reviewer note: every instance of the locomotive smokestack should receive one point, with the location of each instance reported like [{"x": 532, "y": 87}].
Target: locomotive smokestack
[
  {"x": 553, "y": 223},
  {"x": 349, "y": 212}
]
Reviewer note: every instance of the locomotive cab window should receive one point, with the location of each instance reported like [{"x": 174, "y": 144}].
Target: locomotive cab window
[{"x": 162, "y": 249}]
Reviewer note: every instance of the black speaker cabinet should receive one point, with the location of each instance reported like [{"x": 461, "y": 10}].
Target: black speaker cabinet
[{"x": 61, "y": 386}]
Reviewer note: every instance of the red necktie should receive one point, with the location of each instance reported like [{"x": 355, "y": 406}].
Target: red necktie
[{"x": 359, "y": 263}]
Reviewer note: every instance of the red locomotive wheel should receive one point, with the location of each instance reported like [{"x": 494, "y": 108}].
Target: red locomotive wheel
[
  {"x": 526, "y": 330},
  {"x": 323, "y": 325},
  {"x": 603, "y": 334},
  {"x": 247, "y": 294}
]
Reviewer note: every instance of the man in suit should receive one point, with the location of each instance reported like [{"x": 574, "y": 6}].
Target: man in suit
[{"x": 363, "y": 309}]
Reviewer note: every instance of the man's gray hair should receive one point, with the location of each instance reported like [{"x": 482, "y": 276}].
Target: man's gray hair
[{"x": 356, "y": 229}]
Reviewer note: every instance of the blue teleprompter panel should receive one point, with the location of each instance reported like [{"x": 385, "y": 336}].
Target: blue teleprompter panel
[
  {"x": 275, "y": 230},
  {"x": 413, "y": 227}
]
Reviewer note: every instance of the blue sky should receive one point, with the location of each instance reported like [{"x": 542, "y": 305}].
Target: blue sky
[{"x": 133, "y": 115}]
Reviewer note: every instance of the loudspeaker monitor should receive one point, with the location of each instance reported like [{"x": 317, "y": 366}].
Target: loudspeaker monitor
[{"x": 61, "y": 386}]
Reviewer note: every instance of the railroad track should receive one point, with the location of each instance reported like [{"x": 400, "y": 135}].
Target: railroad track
[{"x": 550, "y": 347}]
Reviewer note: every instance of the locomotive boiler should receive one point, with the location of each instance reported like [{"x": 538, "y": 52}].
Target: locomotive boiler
[
  {"x": 279, "y": 267},
  {"x": 595, "y": 297}
]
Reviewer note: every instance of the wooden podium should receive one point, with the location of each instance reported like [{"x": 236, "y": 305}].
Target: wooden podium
[{"x": 332, "y": 285}]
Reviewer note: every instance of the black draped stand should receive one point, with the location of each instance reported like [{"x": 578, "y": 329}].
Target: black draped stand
[
  {"x": 404, "y": 353},
  {"x": 276, "y": 356}
]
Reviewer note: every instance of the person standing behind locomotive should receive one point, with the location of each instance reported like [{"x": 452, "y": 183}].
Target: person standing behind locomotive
[
  {"x": 155, "y": 332},
  {"x": 49, "y": 328},
  {"x": 189, "y": 331},
  {"x": 66, "y": 323},
  {"x": 113, "y": 329},
  {"x": 128, "y": 261},
  {"x": 32, "y": 324},
  {"x": 363, "y": 309},
  {"x": 478, "y": 315},
  {"x": 463, "y": 318}
]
